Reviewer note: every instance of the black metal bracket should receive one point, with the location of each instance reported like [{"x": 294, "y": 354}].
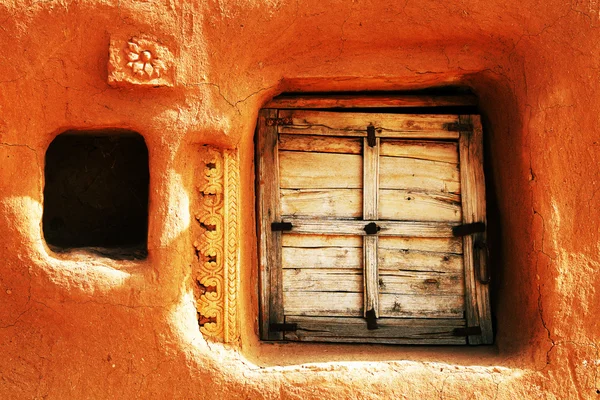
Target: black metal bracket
[
  {"x": 468, "y": 229},
  {"x": 371, "y": 320},
  {"x": 371, "y": 140},
  {"x": 458, "y": 127},
  {"x": 283, "y": 327},
  {"x": 281, "y": 226},
  {"x": 371, "y": 228},
  {"x": 467, "y": 331}
]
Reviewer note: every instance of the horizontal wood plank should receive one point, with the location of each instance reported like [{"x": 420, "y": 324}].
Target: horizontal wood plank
[
  {"x": 303, "y": 170},
  {"x": 387, "y": 228},
  {"x": 341, "y": 304},
  {"x": 390, "y": 330},
  {"x": 345, "y": 280},
  {"x": 350, "y": 101},
  {"x": 408, "y": 205},
  {"x": 326, "y": 257},
  {"x": 323, "y": 280},
  {"x": 355, "y": 124},
  {"x": 320, "y": 144},
  {"x": 420, "y": 175},
  {"x": 412, "y": 260},
  {"x": 422, "y": 150},
  {"x": 327, "y": 203},
  {"x": 437, "y": 245},
  {"x": 312, "y": 241}
]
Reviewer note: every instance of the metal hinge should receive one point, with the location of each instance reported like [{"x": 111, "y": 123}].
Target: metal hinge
[
  {"x": 458, "y": 127},
  {"x": 283, "y": 327},
  {"x": 371, "y": 320},
  {"x": 279, "y": 121},
  {"x": 281, "y": 226},
  {"x": 467, "y": 331},
  {"x": 371, "y": 140},
  {"x": 468, "y": 229}
]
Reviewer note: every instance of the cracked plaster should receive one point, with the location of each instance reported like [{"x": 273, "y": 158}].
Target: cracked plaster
[{"x": 83, "y": 327}]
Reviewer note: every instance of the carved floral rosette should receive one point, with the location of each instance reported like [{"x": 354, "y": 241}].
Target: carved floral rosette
[
  {"x": 139, "y": 61},
  {"x": 216, "y": 244}
]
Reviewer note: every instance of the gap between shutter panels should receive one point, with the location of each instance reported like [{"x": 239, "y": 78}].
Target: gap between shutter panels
[{"x": 350, "y": 147}]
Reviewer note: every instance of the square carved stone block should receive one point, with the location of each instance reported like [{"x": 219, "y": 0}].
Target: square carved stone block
[{"x": 139, "y": 61}]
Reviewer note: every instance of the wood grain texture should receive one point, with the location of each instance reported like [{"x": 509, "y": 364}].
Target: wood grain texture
[
  {"x": 371, "y": 277},
  {"x": 390, "y": 331},
  {"x": 271, "y": 294},
  {"x": 393, "y": 282},
  {"x": 413, "y": 260},
  {"x": 320, "y": 144},
  {"x": 325, "y": 203},
  {"x": 311, "y": 241},
  {"x": 325, "y": 257},
  {"x": 419, "y": 175},
  {"x": 370, "y": 101},
  {"x": 435, "y": 245},
  {"x": 429, "y": 150},
  {"x": 341, "y": 304},
  {"x": 304, "y": 170},
  {"x": 409, "y": 205},
  {"x": 370, "y": 211},
  {"x": 307, "y": 122},
  {"x": 478, "y": 310}
]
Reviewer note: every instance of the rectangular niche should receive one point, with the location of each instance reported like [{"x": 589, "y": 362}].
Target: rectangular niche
[{"x": 96, "y": 193}]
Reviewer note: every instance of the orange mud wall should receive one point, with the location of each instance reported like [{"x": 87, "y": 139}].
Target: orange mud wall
[{"x": 95, "y": 328}]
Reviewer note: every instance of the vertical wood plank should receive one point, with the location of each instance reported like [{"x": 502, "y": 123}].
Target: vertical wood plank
[
  {"x": 478, "y": 309},
  {"x": 269, "y": 211},
  {"x": 370, "y": 212}
]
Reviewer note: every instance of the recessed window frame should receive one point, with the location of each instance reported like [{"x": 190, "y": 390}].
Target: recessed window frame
[{"x": 465, "y": 128}]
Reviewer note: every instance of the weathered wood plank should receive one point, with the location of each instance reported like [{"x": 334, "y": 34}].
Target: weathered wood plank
[
  {"x": 436, "y": 245},
  {"x": 371, "y": 286},
  {"x": 271, "y": 294},
  {"x": 370, "y": 207},
  {"x": 351, "y": 280},
  {"x": 355, "y": 124},
  {"x": 422, "y": 175},
  {"x": 327, "y": 203},
  {"x": 390, "y": 330},
  {"x": 420, "y": 149},
  {"x": 303, "y": 170},
  {"x": 388, "y": 228},
  {"x": 350, "y": 101},
  {"x": 320, "y": 144},
  {"x": 409, "y": 205},
  {"x": 413, "y": 260},
  {"x": 478, "y": 310},
  {"x": 341, "y": 304},
  {"x": 323, "y": 280},
  {"x": 293, "y": 240},
  {"x": 325, "y": 257}
]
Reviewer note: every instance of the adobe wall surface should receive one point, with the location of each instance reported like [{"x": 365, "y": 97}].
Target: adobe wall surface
[{"x": 86, "y": 327}]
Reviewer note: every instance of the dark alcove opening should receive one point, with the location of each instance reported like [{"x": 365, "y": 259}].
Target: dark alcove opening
[{"x": 96, "y": 193}]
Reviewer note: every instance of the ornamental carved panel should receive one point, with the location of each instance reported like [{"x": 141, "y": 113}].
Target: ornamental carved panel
[
  {"x": 139, "y": 61},
  {"x": 216, "y": 229}
]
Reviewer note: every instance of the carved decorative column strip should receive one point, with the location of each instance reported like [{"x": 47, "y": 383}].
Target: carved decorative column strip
[
  {"x": 231, "y": 244},
  {"x": 216, "y": 232}
]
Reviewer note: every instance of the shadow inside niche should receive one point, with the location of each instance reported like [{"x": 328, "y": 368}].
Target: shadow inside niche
[{"x": 96, "y": 193}]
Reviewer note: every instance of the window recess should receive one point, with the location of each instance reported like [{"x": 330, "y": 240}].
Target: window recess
[{"x": 372, "y": 226}]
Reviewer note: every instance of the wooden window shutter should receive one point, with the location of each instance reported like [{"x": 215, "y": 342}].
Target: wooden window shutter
[{"x": 371, "y": 227}]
